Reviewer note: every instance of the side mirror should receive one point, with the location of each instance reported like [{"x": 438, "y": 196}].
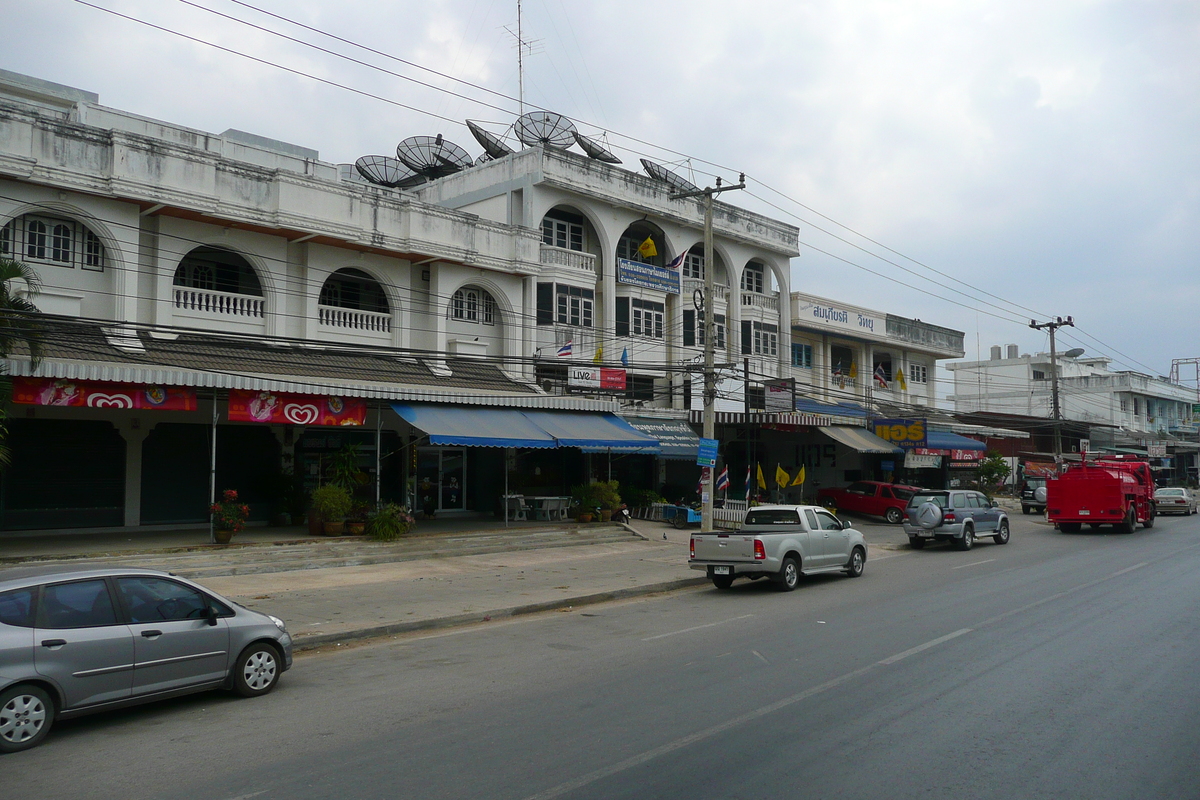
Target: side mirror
[
  {"x": 845, "y": 524},
  {"x": 995, "y": 504},
  {"x": 211, "y": 614}
]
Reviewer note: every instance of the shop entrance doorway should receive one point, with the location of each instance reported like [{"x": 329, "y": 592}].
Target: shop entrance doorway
[{"x": 440, "y": 479}]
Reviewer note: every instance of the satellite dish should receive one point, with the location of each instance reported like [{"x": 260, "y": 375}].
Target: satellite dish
[
  {"x": 491, "y": 144},
  {"x": 386, "y": 171},
  {"x": 483, "y": 159},
  {"x": 544, "y": 127},
  {"x": 674, "y": 180},
  {"x": 432, "y": 156},
  {"x": 1074, "y": 352},
  {"x": 596, "y": 150}
]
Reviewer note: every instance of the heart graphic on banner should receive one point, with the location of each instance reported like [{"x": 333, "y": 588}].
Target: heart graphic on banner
[
  {"x": 110, "y": 401},
  {"x": 300, "y": 414}
]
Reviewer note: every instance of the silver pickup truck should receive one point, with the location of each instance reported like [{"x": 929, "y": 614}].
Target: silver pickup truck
[{"x": 781, "y": 543}]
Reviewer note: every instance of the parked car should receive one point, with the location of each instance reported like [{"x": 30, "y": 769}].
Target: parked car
[
  {"x": 781, "y": 543},
  {"x": 1174, "y": 501},
  {"x": 954, "y": 515},
  {"x": 887, "y": 500},
  {"x": 1033, "y": 495},
  {"x": 78, "y": 641}
]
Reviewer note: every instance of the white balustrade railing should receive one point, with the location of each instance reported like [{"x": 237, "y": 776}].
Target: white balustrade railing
[
  {"x": 563, "y": 257},
  {"x": 352, "y": 319},
  {"x": 767, "y": 301},
  {"x": 690, "y": 285},
  {"x": 207, "y": 301}
]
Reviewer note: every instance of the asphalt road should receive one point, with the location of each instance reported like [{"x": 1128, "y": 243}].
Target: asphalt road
[{"x": 1058, "y": 666}]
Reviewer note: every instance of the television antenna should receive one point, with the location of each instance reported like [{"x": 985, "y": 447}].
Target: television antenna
[
  {"x": 432, "y": 156},
  {"x": 386, "y": 171},
  {"x": 676, "y": 181},
  {"x": 492, "y": 144},
  {"x": 525, "y": 47},
  {"x": 544, "y": 127},
  {"x": 595, "y": 150}
]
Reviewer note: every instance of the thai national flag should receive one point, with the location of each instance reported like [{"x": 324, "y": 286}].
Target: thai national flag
[
  {"x": 565, "y": 350},
  {"x": 723, "y": 480},
  {"x": 881, "y": 377},
  {"x": 677, "y": 262}
]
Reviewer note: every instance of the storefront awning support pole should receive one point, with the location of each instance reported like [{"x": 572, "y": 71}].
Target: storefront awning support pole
[
  {"x": 504, "y": 504},
  {"x": 378, "y": 448},
  {"x": 212, "y": 471}
]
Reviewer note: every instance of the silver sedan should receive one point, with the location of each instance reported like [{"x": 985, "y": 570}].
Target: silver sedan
[
  {"x": 1174, "y": 501},
  {"x": 78, "y": 641}
]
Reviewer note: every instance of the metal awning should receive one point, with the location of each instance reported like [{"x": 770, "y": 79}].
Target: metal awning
[
  {"x": 860, "y": 439},
  {"x": 945, "y": 440},
  {"x": 676, "y": 439},
  {"x": 474, "y": 427},
  {"x": 593, "y": 432}
]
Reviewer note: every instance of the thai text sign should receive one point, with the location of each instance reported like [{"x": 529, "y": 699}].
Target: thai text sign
[
  {"x": 707, "y": 457},
  {"x": 102, "y": 394},
  {"x": 921, "y": 461},
  {"x": 905, "y": 433},
  {"x": 779, "y": 395},
  {"x": 295, "y": 409},
  {"x": 647, "y": 276},
  {"x": 601, "y": 379}
]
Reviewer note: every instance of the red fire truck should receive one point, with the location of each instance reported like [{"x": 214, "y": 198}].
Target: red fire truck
[{"x": 1110, "y": 490}]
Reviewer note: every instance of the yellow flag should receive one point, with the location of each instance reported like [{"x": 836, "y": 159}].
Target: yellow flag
[
  {"x": 762, "y": 482},
  {"x": 900, "y": 380},
  {"x": 799, "y": 480},
  {"x": 853, "y": 370},
  {"x": 647, "y": 249},
  {"x": 781, "y": 478},
  {"x": 599, "y": 354}
]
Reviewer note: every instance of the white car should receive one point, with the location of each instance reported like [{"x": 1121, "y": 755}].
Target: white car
[{"x": 1174, "y": 501}]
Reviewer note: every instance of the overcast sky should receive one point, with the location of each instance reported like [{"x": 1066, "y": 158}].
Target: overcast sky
[{"x": 1044, "y": 154}]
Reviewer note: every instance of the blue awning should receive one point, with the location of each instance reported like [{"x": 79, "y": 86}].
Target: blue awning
[
  {"x": 467, "y": 426},
  {"x": 474, "y": 427},
  {"x": 945, "y": 440},
  {"x": 676, "y": 439},
  {"x": 810, "y": 406},
  {"x": 593, "y": 432}
]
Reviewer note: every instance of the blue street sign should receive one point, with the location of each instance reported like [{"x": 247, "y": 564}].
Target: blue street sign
[{"x": 707, "y": 456}]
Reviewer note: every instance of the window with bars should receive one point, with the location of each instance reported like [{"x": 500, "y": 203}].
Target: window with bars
[
  {"x": 646, "y": 318},
  {"x": 918, "y": 373},
  {"x": 760, "y": 339},
  {"x": 574, "y": 305},
  {"x": 718, "y": 329},
  {"x": 473, "y": 305},
  {"x": 61, "y": 242},
  {"x": 754, "y": 278}
]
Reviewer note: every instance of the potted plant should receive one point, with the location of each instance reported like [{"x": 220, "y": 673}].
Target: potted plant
[
  {"x": 228, "y": 516},
  {"x": 584, "y": 501},
  {"x": 332, "y": 503},
  {"x": 389, "y": 522},
  {"x": 357, "y": 521},
  {"x": 608, "y": 499}
]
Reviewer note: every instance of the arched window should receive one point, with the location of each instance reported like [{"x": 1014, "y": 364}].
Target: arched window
[
  {"x": 355, "y": 289},
  {"x": 754, "y": 278},
  {"x": 470, "y": 304},
  {"x": 61, "y": 242},
  {"x": 214, "y": 269}
]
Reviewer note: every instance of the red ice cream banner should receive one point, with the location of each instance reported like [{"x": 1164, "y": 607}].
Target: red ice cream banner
[
  {"x": 102, "y": 394},
  {"x": 296, "y": 409}
]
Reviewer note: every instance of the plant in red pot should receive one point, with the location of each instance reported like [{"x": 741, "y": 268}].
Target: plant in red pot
[{"x": 228, "y": 516}]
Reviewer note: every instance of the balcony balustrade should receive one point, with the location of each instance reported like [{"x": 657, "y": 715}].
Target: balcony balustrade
[
  {"x": 207, "y": 301},
  {"x": 690, "y": 285},
  {"x": 350, "y": 319},
  {"x": 573, "y": 259},
  {"x": 769, "y": 302}
]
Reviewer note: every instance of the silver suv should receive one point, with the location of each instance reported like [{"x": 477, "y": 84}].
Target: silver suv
[
  {"x": 77, "y": 641},
  {"x": 957, "y": 515}
]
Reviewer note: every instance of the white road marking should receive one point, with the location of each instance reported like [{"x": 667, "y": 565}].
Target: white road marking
[
  {"x": 931, "y": 643},
  {"x": 974, "y": 563},
  {"x": 760, "y": 657},
  {"x": 1130, "y": 569},
  {"x": 696, "y": 628}
]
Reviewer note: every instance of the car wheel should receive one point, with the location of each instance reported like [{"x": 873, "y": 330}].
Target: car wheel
[
  {"x": 789, "y": 575},
  {"x": 26, "y": 714},
  {"x": 1001, "y": 536},
  {"x": 894, "y": 516},
  {"x": 829, "y": 503},
  {"x": 722, "y": 581},
  {"x": 1024, "y": 509},
  {"x": 916, "y": 542},
  {"x": 1128, "y": 525},
  {"x": 1149, "y": 522},
  {"x": 256, "y": 671},
  {"x": 858, "y": 561},
  {"x": 968, "y": 539}
]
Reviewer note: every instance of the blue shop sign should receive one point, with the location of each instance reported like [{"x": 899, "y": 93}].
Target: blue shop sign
[
  {"x": 707, "y": 456},
  {"x": 647, "y": 276}
]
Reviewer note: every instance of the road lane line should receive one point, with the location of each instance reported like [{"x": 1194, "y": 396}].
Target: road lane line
[
  {"x": 696, "y": 628},
  {"x": 974, "y": 563},
  {"x": 761, "y": 657},
  {"x": 1130, "y": 569},
  {"x": 931, "y": 643}
]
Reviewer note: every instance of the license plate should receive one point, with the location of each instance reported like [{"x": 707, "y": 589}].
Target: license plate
[
  {"x": 1083, "y": 512},
  {"x": 720, "y": 570}
]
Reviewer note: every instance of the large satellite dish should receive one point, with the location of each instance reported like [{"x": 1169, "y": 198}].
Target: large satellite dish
[
  {"x": 596, "y": 150},
  {"x": 432, "y": 156},
  {"x": 675, "y": 181},
  {"x": 1074, "y": 352},
  {"x": 491, "y": 144},
  {"x": 544, "y": 127},
  {"x": 386, "y": 171}
]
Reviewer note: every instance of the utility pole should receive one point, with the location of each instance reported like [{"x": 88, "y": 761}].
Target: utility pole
[
  {"x": 710, "y": 328},
  {"x": 1053, "y": 325}
]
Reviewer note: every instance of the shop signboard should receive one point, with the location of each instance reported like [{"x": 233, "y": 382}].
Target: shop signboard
[
  {"x": 647, "y": 276},
  {"x": 906, "y": 433},
  {"x": 707, "y": 456},
  {"x": 913, "y": 460},
  {"x": 779, "y": 395},
  {"x": 296, "y": 409},
  {"x": 596, "y": 379},
  {"x": 102, "y": 394},
  {"x": 1156, "y": 449}
]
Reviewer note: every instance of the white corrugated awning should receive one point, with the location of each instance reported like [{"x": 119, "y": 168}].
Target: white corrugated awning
[{"x": 860, "y": 439}]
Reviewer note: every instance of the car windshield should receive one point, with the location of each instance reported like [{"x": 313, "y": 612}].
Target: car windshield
[
  {"x": 1034, "y": 483},
  {"x": 1172, "y": 492},
  {"x": 939, "y": 498}
]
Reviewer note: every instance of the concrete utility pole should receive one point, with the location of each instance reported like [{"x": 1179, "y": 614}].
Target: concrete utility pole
[
  {"x": 1053, "y": 325},
  {"x": 710, "y": 373}
]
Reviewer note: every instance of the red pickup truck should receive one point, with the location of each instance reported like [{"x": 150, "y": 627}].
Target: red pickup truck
[{"x": 887, "y": 500}]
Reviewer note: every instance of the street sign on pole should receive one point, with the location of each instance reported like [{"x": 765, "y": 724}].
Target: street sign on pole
[{"x": 707, "y": 457}]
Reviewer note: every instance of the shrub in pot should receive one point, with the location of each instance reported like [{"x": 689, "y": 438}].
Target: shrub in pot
[
  {"x": 332, "y": 503},
  {"x": 389, "y": 523}
]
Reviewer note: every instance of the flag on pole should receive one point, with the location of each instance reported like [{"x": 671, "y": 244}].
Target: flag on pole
[
  {"x": 625, "y": 357},
  {"x": 838, "y": 376},
  {"x": 900, "y": 380},
  {"x": 881, "y": 376},
  {"x": 647, "y": 249},
  {"x": 762, "y": 482},
  {"x": 677, "y": 261},
  {"x": 599, "y": 354},
  {"x": 800, "y": 476},
  {"x": 782, "y": 479},
  {"x": 853, "y": 370},
  {"x": 748, "y": 484},
  {"x": 565, "y": 350},
  {"x": 723, "y": 479}
]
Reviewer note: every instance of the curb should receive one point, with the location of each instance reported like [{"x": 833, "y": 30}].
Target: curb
[{"x": 459, "y": 620}]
